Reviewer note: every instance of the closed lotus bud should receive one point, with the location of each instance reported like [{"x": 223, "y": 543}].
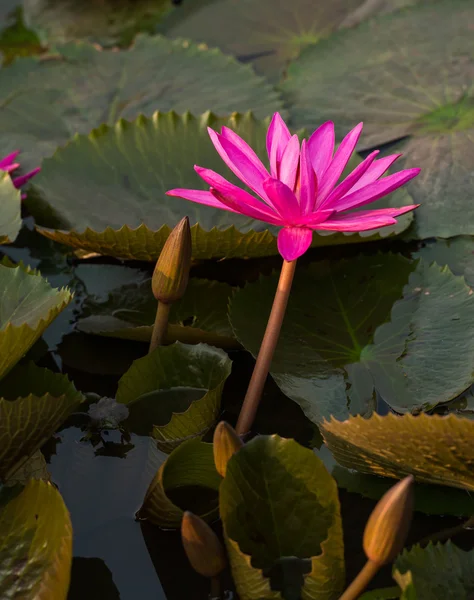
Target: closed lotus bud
[
  {"x": 171, "y": 274},
  {"x": 203, "y": 548},
  {"x": 387, "y": 528},
  {"x": 225, "y": 444}
]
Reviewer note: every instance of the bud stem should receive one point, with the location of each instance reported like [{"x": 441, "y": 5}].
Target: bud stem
[
  {"x": 361, "y": 581},
  {"x": 216, "y": 588},
  {"x": 267, "y": 349},
  {"x": 160, "y": 326}
]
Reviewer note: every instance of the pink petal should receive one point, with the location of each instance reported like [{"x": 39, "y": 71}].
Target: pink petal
[
  {"x": 200, "y": 197},
  {"x": 338, "y": 163},
  {"x": 350, "y": 180},
  {"x": 10, "y": 168},
  {"x": 236, "y": 198},
  {"x": 242, "y": 145},
  {"x": 375, "y": 190},
  {"x": 289, "y": 162},
  {"x": 316, "y": 217},
  {"x": 239, "y": 163},
  {"x": 19, "y": 181},
  {"x": 321, "y": 148},
  {"x": 8, "y": 160},
  {"x": 294, "y": 241},
  {"x": 307, "y": 181},
  {"x": 278, "y": 136},
  {"x": 283, "y": 199},
  {"x": 376, "y": 170},
  {"x": 365, "y": 220}
]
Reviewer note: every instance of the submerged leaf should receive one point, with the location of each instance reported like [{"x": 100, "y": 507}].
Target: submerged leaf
[{"x": 35, "y": 545}]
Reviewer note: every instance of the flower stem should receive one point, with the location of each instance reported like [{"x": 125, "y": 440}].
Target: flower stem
[
  {"x": 161, "y": 325},
  {"x": 361, "y": 581},
  {"x": 216, "y": 589},
  {"x": 267, "y": 349}
]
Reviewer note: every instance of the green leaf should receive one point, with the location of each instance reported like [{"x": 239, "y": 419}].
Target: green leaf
[
  {"x": 406, "y": 74},
  {"x": 429, "y": 499},
  {"x": 125, "y": 307},
  {"x": 80, "y": 88},
  {"x": 34, "y": 468},
  {"x": 35, "y": 545},
  {"x": 382, "y": 594},
  {"x": 190, "y": 472},
  {"x": 33, "y": 403},
  {"x": 434, "y": 449},
  {"x": 437, "y": 571},
  {"x": 254, "y": 30},
  {"x": 457, "y": 253},
  {"x": 175, "y": 392},
  {"x": 27, "y": 306},
  {"x": 335, "y": 349},
  {"x": 132, "y": 165},
  {"x": 10, "y": 214},
  {"x": 106, "y": 22},
  {"x": 278, "y": 501}
]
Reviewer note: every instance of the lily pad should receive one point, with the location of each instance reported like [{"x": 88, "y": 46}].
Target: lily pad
[
  {"x": 174, "y": 393},
  {"x": 35, "y": 545},
  {"x": 80, "y": 87},
  {"x": 256, "y": 30},
  {"x": 28, "y": 304},
  {"x": 437, "y": 571},
  {"x": 126, "y": 308},
  {"x": 435, "y": 449},
  {"x": 278, "y": 501},
  {"x": 10, "y": 214},
  {"x": 353, "y": 328},
  {"x": 35, "y": 467},
  {"x": 33, "y": 403},
  {"x": 457, "y": 253},
  {"x": 406, "y": 74},
  {"x": 106, "y": 22},
  {"x": 129, "y": 168},
  {"x": 189, "y": 468}
]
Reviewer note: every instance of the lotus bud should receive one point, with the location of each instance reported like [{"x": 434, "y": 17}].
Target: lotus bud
[
  {"x": 387, "y": 528},
  {"x": 225, "y": 444},
  {"x": 202, "y": 546},
  {"x": 171, "y": 274}
]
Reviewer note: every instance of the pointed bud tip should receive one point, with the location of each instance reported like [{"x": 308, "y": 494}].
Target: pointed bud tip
[
  {"x": 202, "y": 546},
  {"x": 226, "y": 443}
]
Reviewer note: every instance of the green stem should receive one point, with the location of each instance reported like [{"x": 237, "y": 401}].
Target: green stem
[
  {"x": 161, "y": 325},
  {"x": 361, "y": 581}
]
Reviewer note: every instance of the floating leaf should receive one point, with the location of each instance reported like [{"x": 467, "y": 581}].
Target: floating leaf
[
  {"x": 457, "y": 253},
  {"x": 34, "y": 468},
  {"x": 257, "y": 31},
  {"x": 335, "y": 346},
  {"x": 106, "y": 22},
  {"x": 10, "y": 214},
  {"x": 124, "y": 306},
  {"x": 27, "y": 306},
  {"x": 175, "y": 392},
  {"x": 35, "y": 545},
  {"x": 434, "y": 449},
  {"x": 437, "y": 571},
  {"x": 80, "y": 88},
  {"x": 406, "y": 74},
  {"x": 33, "y": 403},
  {"x": 131, "y": 166},
  {"x": 189, "y": 468},
  {"x": 278, "y": 501}
]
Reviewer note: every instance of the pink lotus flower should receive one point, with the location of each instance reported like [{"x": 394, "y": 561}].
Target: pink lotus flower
[
  {"x": 301, "y": 192},
  {"x": 8, "y": 165}
]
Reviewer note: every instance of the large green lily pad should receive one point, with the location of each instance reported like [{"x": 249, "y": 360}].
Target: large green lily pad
[
  {"x": 80, "y": 87},
  {"x": 434, "y": 449},
  {"x": 35, "y": 545},
  {"x": 457, "y": 253},
  {"x": 366, "y": 325},
  {"x": 278, "y": 504},
  {"x": 437, "y": 571},
  {"x": 106, "y": 191},
  {"x": 125, "y": 307},
  {"x": 256, "y": 30},
  {"x": 106, "y": 22},
  {"x": 33, "y": 403},
  {"x": 406, "y": 74},
  {"x": 10, "y": 212},
  {"x": 175, "y": 392},
  {"x": 28, "y": 304}
]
